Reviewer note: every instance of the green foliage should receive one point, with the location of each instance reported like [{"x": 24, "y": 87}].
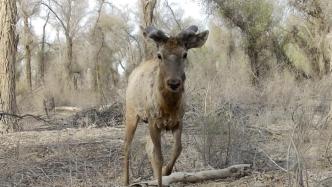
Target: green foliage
[
  {"x": 310, "y": 32},
  {"x": 259, "y": 16},
  {"x": 252, "y": 17},
  {"x": 298, "y": 57},
  {"x": 255, "y": 20}
]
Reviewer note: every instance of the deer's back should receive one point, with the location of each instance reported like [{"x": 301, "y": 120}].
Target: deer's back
[{"x": 139, "y": 95}]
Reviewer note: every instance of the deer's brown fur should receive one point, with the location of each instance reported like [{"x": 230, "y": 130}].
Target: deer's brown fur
[{"x": 155, "y": 95}]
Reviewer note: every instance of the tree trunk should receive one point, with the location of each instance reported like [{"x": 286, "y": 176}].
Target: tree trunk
[
  {"x": 27, "y": 54},
  {"x": 8, "y": 43},
  {"x": 259, "y": 68},
  {"x": 69, "y": 60},
  {"x": 316, "y": 61},
  {"x": 98, "y": 66},
  {"x": 99, "y": 37},
  {"x": 327, "y": 63},
  {"x": 42, "y": 53},
  {"x": 148, "y": 7},
  {"x": 253, "y": 60},
  {"x": 69, "y": 54},
  {"x": 325, "y": 53}
]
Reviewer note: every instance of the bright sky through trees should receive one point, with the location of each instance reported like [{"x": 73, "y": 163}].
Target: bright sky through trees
[{"x": 192, "y": 9}]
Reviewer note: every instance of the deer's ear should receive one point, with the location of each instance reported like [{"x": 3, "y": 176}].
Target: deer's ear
[
  {"x": 191, "y": 38},
  {"x": 157, "y": 35},
  {"x": 195, "y": 40}
]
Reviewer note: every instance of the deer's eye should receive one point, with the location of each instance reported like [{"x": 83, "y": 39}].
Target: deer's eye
[
  {"x": 159, "y": 56},
  {"x": 184, "y": 55}
]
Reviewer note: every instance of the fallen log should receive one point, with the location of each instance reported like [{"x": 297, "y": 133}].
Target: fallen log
[
  {"x": 67, "y": 109},
  {"x": 234, "y": 171}
]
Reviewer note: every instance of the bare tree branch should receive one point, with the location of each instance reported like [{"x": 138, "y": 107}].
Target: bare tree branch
[
  {"x": 56, "y": 15},
  {"x": 98, "y": 16},
  {"x": 173, "y": 15}
]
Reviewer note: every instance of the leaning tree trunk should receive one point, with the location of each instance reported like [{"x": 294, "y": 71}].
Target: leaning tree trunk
[
  {"x": 27, "y": 54},
  {"x": 148, "y": 7},
  {"x": 8, "y": 43},
  {"x": 322, "y": 50}
]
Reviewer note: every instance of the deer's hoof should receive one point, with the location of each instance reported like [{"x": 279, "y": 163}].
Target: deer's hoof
[{"x": 166, "y": 171}]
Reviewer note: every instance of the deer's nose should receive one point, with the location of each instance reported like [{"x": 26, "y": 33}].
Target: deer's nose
[{"x": 174, "y": 84}]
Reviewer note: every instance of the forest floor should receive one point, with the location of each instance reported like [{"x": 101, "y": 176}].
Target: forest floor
[{"x": 63, "y": 152}]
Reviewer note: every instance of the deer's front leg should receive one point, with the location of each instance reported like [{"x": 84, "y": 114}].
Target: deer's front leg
[
  {"x": 157, "y": 158},
  {"x": 177, "y": 148}
]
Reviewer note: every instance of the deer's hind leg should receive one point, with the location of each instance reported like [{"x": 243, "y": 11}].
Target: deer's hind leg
[{"x": 131, "y": 122}]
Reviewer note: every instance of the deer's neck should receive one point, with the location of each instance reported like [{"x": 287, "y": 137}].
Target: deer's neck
[{"x": 168, "y": 101}]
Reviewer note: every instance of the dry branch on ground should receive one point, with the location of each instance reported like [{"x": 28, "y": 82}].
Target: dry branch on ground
[{"x": 234, "y": 171}]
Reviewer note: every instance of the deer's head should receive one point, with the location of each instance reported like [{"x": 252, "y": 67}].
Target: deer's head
[{"x": 172, "y": 54}]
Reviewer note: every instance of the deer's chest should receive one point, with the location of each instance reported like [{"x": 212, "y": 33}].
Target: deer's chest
[
  {"x": 164, "y": 120},
  {"x": 167, "y": 122}
]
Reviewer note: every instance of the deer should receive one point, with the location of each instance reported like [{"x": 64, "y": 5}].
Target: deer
[{"x": 155, "y": 95}]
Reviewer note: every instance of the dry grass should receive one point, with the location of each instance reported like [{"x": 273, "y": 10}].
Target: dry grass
[
  {"x": 276, "y": 126},
  {"x": 69, "y": 157}
]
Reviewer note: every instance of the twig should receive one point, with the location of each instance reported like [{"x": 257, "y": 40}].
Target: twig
[
  {"x": 281, "y": 168},
  {"x": 38, "y": 118}
]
